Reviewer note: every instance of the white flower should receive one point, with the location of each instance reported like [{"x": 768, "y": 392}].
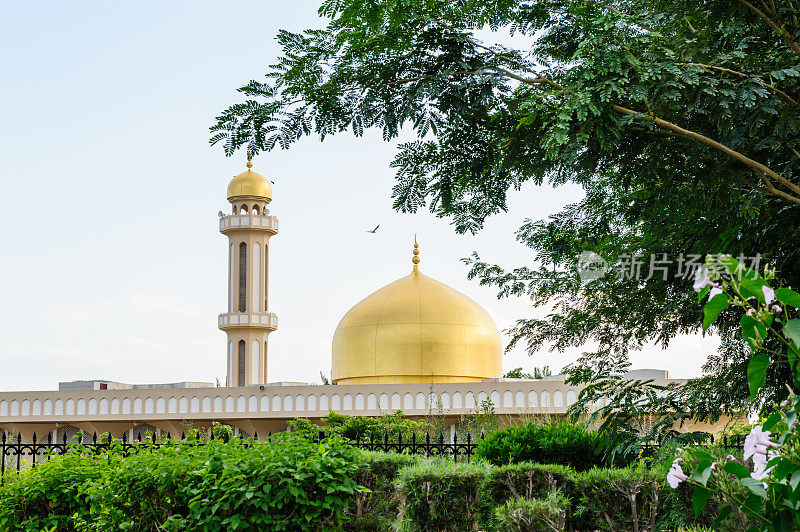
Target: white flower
[
  {"x": 731, "y": 458},
  {"x": 701, "y": 279},
  {"x": 714, "y": 291},
  {"x": 675, "y": 475},
  {"x": 777, "y": 309},
  {"x": 756, "y": 444},
  {"x": 751, "y": 311},
  {"x": 769, "y": 294}
]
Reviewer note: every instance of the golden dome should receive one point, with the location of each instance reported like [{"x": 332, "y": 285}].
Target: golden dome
[
  {"x": 250, "y": 183},
  {"x": 416, "y": 329}
]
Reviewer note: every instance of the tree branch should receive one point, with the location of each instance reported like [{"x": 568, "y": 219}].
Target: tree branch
[
  {"x": 782, "y": 95},
  {"x": 777, "y": 27}
]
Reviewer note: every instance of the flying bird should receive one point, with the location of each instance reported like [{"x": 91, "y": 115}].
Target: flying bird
[{"x": 373, "y": 231}]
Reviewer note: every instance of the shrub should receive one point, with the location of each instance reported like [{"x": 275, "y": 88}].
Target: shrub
[
  {"x": 533, "y": 515},
  {"x": 379, "y": 506},
  {"x": 355, "y": 427},
  {"x": 619, "y": 499},
  {"x": 441, "y": 495},
  {"x": 556, "y": 442},
  {"x": 51, "y": 495}
]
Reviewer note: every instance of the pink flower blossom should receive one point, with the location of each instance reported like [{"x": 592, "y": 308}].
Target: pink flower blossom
[
  {"x": 769, "y": 294},
  {"x": 777, "y": 309},
  {"x": 701, "y": 279},
  {"x": 751, "y": 311},
  {"x": 714, "y": 291},
  {"x": 756, "y": 444},
  {"x": 675, "y": 475}
]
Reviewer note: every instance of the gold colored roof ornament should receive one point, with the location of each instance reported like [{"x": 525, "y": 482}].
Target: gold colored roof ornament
[
  {"x": 415, "y": 259},
  {"x": 250, "y": 184},
  {"x": 249, "y": 160}
]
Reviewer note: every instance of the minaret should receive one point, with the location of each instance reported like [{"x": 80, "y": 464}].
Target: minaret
[{"x": 248, "y": 321}]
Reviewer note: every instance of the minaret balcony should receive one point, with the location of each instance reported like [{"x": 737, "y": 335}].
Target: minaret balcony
[
  {"x": 251, "y": 320},
  {"x": 254, "y": 222}
]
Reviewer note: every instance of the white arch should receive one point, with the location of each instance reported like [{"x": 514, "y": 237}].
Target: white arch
[
  {"x": 256, "y": 297},
  {"x": 15, "y": 407},
  {"x": 558, "y": 398},
  {"x": 519, "y": 399},
  {"x": 545, "y": 399},
  {"x": 264, "y": 406},
  {"x": 241, "y": 404},
  {"x": 218, "y": 404},
  {"x": 60, "y": 407},
  {"x": 172, "y": 405},
  {"x": 383, "y": 401},
  {"x": 312, "y": 402},
  {"x": 194, "y": 405},
  {"x": 323, "y": 403},
  {"x": 408, "y": 401},
  {"x": 572, "y": 397},
  {"x": 533, "y": 400},
  {"x": 255, "y": 362},
  {"x": 287, "y": 403},
  {"x": 508, "y": 399},
  {"x": 93, "y": 406},
  {"x": 229, "y": 404},
  {"x": 81, "y": 407},
  {"x": 252, "y": 404},
  {"x": 26, "y": 407},
  {"x": 495, "y": 397},
  {"x": 458, "y": 400},
  {"x": 482, "y": 396},
  {"x": 114, "y": 406},
  {"x": 126, "y": 406},
  {"x": 372, "y": 402},
  {"x": 149, "y": 406},
  {"x": 276, "y": 403},
  {"x": 206, "y": 404},
  {"x": 37, "y": 407},
  {"x": 300, "y": 403},
  {"x": 420, "y": 401},
  {"x": 70, "y": 407},
  {"x": 3, "y": 408},
  {"x": 445, "y": 400},
  {"x": 396, "y": 405},
  {"x": 348, "y": 401},
  {"x": 161, "y": 405},
  {"x": 48, "y": 407},
  {"x": 360, "y": 401},
  {"x": 470, "y": 400},
  {"x": 104, "y": 406},
  {"x": 336, "y": 402}
]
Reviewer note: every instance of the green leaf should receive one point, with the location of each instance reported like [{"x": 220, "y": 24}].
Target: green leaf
[
  {"x": 724, "y": 512},
  {"x": 792, "y": 330},
  {"x": 755, "y": 486},
  {"x": 736, "y": 469},
  {"x": 788, "y": 297},
  {"x": 771, "y": 421},
  {"x": 703, "y": 293},
  {"x": 757, "y": 373},
  {"x": 716, "y": 304},
  {"x": 699, "y": 499}
]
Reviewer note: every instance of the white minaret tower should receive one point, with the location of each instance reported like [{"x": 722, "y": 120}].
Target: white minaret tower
[{"x": 248, "y": 321}]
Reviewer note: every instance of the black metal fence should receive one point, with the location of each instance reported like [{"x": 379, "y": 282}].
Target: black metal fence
[{"x": 17, "y": 456}]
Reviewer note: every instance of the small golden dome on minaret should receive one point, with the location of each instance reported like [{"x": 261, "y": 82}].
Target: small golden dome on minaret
[
  {"x": 250, "y": 184},
  {"x": 413, "y": 330}
]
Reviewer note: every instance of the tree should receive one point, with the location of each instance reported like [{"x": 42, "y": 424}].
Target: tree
[
  {"x": 538, "y": 373},
  {"x": 678, "y": 118}
]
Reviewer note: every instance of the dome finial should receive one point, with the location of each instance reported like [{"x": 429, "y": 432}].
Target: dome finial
[
  {"x": 415, "y": 259},
  {"x": 249, "y": 160}
]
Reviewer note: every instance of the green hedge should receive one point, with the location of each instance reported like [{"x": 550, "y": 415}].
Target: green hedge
[
  {"x": 289, "y": 484},
  {"x": 557, "y": 442},
  {"x": 379, "y": 506},
  {"x": 441, "y": 495},
  {"x": 533, "y": 515}
]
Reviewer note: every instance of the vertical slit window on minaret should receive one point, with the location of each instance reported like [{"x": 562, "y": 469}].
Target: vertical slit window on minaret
[
  {"x": 240, "y": 377},
  {"x": 243, "y": 277}
]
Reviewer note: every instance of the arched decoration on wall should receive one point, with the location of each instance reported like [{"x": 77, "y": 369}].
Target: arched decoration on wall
[
  {"x": 229, "y": 404},
  {"x": 276, "y": 403},
  {"x": 383, "y": 401},
  {"x": 218, "y": 404},
  {"x": 533, "y": 400},
  {"x": 104, "y": 406},
  {"x": 70, "y": 408},
  {"x": 60, "y": 407},
  {"x": 194, "y": 406},
  {"x": 3, "y": 408},
  {"x": 420, "y": 403},
  {"x": 323, "y": 403},
  {"x": 126, "y": 406},
  {"x": 255, "y": 362},
  {"x": 287, "y": 403},
  {"x": 482, "y": 396},
  {"x": 558, "y": 398},
  {"x": 348, "y": 402},
  {"x": 372, "y": 402},
  {"x": 495, "y": 398},
  {"x": 26, "y": 407},
  {"x": 470, "y": 400},
  {"x": 545, "y": 399},
  {"x": 243, "y": 277},
  {"x": 396, "y": 402},
  {"x": 508, "y": 399},
  {"x": 519, "y": 399},
  {"x": 81, "y": 407},
  {"x": 183, "y": 405},
  {"x": 240, "y": 373},
  {"x": 232, "y": 287},
  {"x": 93, "y": 406},
  {"x": 206, "y": 404},
  {"x": 336, "y": 402},
  {"x": 458, "y": 400},
  {"x": 312, "y": 402},
  {"x": 445, "y": 400},
  {"x": 256, "y": 297},
  {"x": 114, "y": 406},
  {"x": 244, "y": 210},
  {"x": 408, "y": 401},
  {"x": 252, "y": 404},
  {"x": 172, "y": 405},
  {"x": 72, "y": 434},
  {"x": 360, "y": 405},
  {"x": 148, "y": 405},
  {"x": 572, "y": 397},
  {"x": 161, "y": 406},
  {"x": 300, "y": 403},
  {"x": 264, "y": 406},
  {"x": 255, "y": 210},
  {"x": 241, "y": 404},
  {"x": 48, "y": 407}
]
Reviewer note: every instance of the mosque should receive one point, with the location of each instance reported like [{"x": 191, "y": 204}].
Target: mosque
[{"x": 415, "y": 345}]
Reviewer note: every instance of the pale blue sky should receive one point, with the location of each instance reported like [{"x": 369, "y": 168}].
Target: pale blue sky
[{"x": 111, "y": 264}]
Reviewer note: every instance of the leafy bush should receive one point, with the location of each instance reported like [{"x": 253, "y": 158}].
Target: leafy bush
[
  {"x": 379, "y": 506},
  {"x": 619, "y": 499},
  {"x": 354, "y": 427},
  {"x": 441, "y": 495},
  {"x": 287, "y": 484},
  {"x": 557, "y": 442},
  {"x": 533, "y": 515},
  {"x": 51, "y": 495}
]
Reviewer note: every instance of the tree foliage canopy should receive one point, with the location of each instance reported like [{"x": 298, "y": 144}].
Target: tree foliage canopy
[{"x": 679, "y": 119}]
